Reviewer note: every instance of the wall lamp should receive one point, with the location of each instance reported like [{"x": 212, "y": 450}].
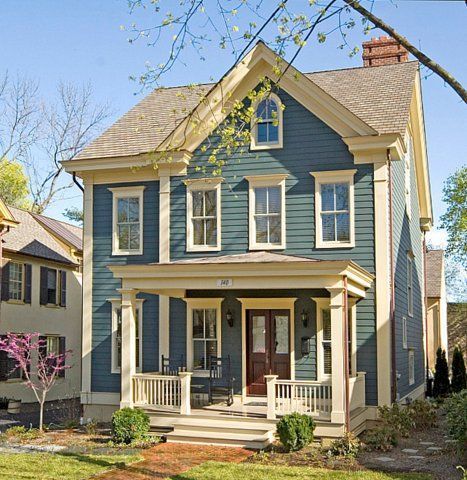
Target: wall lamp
[
  {"x": 229, "y": 317},
  {"x": 304, "y": 317}
]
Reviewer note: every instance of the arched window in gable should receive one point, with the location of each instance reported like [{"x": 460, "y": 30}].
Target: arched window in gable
[{"x": 267, "y": 128}]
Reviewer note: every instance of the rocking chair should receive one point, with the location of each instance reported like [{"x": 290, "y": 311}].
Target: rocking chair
[
  {"x": 220, "y": 379},
  {"x": 172, "y": 367}
]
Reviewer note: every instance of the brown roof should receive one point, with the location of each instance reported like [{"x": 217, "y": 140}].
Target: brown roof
[
  {"x": 434, "y": 273},
  {"x": 70, "y": 234},
  {"x": 380, "y": 96},
  {"x": 31, "y": 238}
]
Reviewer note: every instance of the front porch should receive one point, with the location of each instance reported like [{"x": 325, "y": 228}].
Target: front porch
[{"x": 276, "y": 323}]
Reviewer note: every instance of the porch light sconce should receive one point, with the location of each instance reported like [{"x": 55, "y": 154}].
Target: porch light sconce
[
  {"x": 304, "y": 316},
  {"x": 229, "y": 317}
]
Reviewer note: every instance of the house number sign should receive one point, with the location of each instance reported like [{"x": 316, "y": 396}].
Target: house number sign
[{"x": 224, "y": 282}]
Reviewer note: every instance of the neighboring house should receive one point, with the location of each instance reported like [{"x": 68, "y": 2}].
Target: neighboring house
[
  {"x": 457, "y": 326},
  {"x": 436, "y": 322},
  {"x": 41, "y": 291},
  {"x": 303, "y": 263}
]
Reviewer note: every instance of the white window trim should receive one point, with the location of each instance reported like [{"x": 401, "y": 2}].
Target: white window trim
[
  {"x": 116, "y": 304},
  {"x": 276, "y": 180},
  {"x": 254, "y": 126},
  {"x": 23, "y": 283},
  {"x": 202, "y": 184},
  {"x": 321, "y": 304},
  {"x": 336, "y": 176},
  {"x": 411, "y": 360},
  {"x": 194, "y": 304},
  {"x": 404, "y": 333},
  {"x": 126, "y": 192},
  {"x": 410, "y": 297}
]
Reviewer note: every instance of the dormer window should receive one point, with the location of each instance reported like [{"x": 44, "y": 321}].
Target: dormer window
[{"x": 267, "y": 124}]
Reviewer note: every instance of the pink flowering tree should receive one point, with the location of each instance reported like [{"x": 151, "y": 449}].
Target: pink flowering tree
[{"x": 40, "y": 369}]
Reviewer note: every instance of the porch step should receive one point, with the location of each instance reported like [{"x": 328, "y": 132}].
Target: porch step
[{"x": 196, "y": 424}]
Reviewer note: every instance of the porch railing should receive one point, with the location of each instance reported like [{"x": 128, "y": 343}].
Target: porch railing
[
  {"x": 357, "y": 391},
  {"x": 308, "y": 397},
  {"x": 162, "y": 391}
]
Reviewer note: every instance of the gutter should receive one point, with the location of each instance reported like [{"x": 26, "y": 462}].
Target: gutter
[{"x": 77, "y": 183}]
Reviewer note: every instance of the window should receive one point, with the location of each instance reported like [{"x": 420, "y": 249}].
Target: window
[
  {"x": 52, "y": 344},
  {"x": 16, "y": 281},
  {"x": 267, "y": 212},
  {"x": 267, "y": 125},
  {"x": 410, "y": 284},
  {"x": 127, "y": 236},
  {"x": 203, "y": 333},
  {"x": 411, "y": 367},
  {"x": 334, "y": 209},
  {"x": 203, "y": 215},
  {"x": 404, "y": 332},
  {"x": 117, "y": 335},
  {"x": 53, "y": 287},
  {"x": 8, "y": 370}
]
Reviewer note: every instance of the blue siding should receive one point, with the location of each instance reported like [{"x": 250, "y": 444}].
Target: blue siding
[
  {"x": 104, "y": 285},
  {"x": 407, "y": 237}
]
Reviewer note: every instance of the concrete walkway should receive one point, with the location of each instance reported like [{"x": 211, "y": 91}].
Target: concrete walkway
[{"x": 169, "y": 459}]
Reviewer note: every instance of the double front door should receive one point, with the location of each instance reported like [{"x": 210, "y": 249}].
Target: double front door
[{"x": 268, "y": 347}]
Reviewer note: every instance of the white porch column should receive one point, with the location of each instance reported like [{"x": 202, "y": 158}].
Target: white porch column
[
  {"x": 185, "y": 384},
  {"x": 337, "y": 306},
  {"x": 271, "y": 395},
  {"x": 164, "y": 257},
  {"x": 128, "y": 360}
]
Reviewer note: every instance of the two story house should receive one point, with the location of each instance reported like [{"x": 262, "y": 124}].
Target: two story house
[
  {"x": 298, "y": 270},
  {"x": 40, "y": 260}
]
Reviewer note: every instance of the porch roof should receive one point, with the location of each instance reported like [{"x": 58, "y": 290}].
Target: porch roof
[{"x": 253, "y": 270}]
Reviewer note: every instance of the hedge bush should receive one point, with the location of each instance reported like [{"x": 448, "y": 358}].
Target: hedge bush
[
  {"x": 458, "y": 377},
  {"x": 295, "y": 431},
  {"x": 441, "y": 385},
  {"x": 129, "y": 425},
  {"x": 456, "y": 409}
]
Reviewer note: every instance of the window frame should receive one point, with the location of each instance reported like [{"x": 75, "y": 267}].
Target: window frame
[
  {"x": 254, "y": 144},
  {"x": 321, "y": 304},
  {"x": 198, "y": 304},
  {"x": 410, "y": 284},
  {"x": 23, "y": 282},
  {"x": 196, "y": 185},
  {"x": 404, "y": 332},
  {"x": 116, "y": 304},
  {"x": 127, "y": 192},
  {"x": 334, "y": 177},
  {"x": 411, "y": 366},
  {"x": 261, "y": 181}
]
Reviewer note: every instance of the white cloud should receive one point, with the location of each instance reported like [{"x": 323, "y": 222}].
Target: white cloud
[{"x": 437, "y": 238}]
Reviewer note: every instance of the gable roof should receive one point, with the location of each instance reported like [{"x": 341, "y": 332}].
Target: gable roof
[
  {"x": 30, "y": 237},
  {"x": 6, "y": 217},
  {"x": 434, "y": 273},
  {"x": 70, "y": 234},
  {"x": 379, "y": 96}
]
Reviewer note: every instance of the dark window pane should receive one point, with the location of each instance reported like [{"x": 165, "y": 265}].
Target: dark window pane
[
  {"x": 210, "y": 323},
  {"x": 211, "y": 350},
  {"x": 198, "y": 323},
  {"x": 122, "y": 204},
  {"x": 211, "y": 233},
  {"x": 327, "y": 358},
  {"x": 124, "y": 237},
  {"x": 343, "y": 227},
  {"x": 261, "y": 200},
  {"x": 198, "y": 232},
  {"x": 275, "y": 229},
  {"x": 273, "y": 133},
  {"x": 134, "y": 237},
  {"x": 133, "y": 209},
  {"x": 342, "y": 196},
  {"x": 327, "y": 324},
  {"x": 328, "y": 227},
  {"x": 197, "y": 203},
  {"x": 261, "y": 230},
  {"x": 210, "y": 203},
  {"x": 274, "y": 199},
  {"x": 198, "y": 355},
  {"x": 262, "y": 111},
  {"x": 262, "y": 130},
  {"x": 271, "y": 108},
  {"x": 327, "y": 197}
]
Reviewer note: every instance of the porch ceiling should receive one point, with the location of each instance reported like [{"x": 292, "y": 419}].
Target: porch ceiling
[{"x": 254, "y": 270}]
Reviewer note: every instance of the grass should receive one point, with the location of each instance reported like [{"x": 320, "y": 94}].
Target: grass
[
  {"x": 231, "y": 471},
  {"x": 49, "y": 466}
]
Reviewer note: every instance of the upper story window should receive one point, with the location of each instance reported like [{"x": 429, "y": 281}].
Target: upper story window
[
  {"x": 267, "y": 124},
  {"x": 127, "y": 220},
  {"x": 204, "y": 215},
  {"x": 53, "y": 287},
  {"x": 334, "y": 209},
  {"x": 16, "y": 282},
  {"x": 410, "y": 260},
  {"x": 267, "y": 211}
]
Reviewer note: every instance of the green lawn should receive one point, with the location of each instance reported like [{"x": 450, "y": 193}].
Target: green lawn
[
  {"x": 248, "y": 471},
  {"x": 48, "y": 466}
]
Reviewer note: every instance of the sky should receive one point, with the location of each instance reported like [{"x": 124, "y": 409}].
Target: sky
[{"x": 82, "y": 41}]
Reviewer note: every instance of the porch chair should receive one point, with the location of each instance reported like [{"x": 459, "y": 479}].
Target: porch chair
[
  {"x": 220, "y": 379},
  {"x": 171, "y": 366}
]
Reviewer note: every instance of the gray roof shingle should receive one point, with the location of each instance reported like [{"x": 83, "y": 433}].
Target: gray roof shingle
[
  {"x": 434, "y": 272},
  {"x": 380, "y": 96}
]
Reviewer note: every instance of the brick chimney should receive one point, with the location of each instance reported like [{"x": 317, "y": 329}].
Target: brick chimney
[{"x": 383, "y": 51}]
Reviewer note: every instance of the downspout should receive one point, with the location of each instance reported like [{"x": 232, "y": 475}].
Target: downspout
[
  {"x": 391, "y": 281},
  {"x": 346, "y": 357},
  {"x": 77, "y": 183},
  {"x": 425, "y": 299}
]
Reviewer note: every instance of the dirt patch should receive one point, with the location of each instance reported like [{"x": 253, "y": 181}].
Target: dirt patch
[{"x": 169, "y": 459}]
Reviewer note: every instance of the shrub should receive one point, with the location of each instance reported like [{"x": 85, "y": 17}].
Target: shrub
[
  {"x": 441, "y": 383},
  {"x": 422, "y": 414},
  {"x": 382, "y": 438},
  {"x": 346, "y": 446},
  {"x": 295, "y": 431},
  {"x": 456, "y": 409},
  {"x": 22, "y": 433},
  {"x": 91, "y": 427},
  {"x": 129, "y": 425},
  {"x": 458, "y": 378},
  {"x": 398, "y": 418}
]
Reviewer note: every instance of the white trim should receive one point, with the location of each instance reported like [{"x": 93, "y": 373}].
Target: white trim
[
  {"x": 404, "y": 332},
  {"x": 410, "y": 283},
  {"x": 352, "y": 304},
  {"x": 254, "y": 145},
  {"x": 336, "y": 176},
  {"x": 201, "y": 303},
  {"x": 100, "y": 398},
  {"x": 23, "y": 282},
  {"x": 411, "y": 366},
  {"x": 408, "y": 174},
  {"x": 126, "y": 192},
  {"x": 196, "y": 185},
  {"x": 258, "y": 181},
  {"x": 267, "y": 304},
  {"x": 321, "y": 304},
  {"x": 116, "y": 304},
  {"x": 417, "y": 392}
]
